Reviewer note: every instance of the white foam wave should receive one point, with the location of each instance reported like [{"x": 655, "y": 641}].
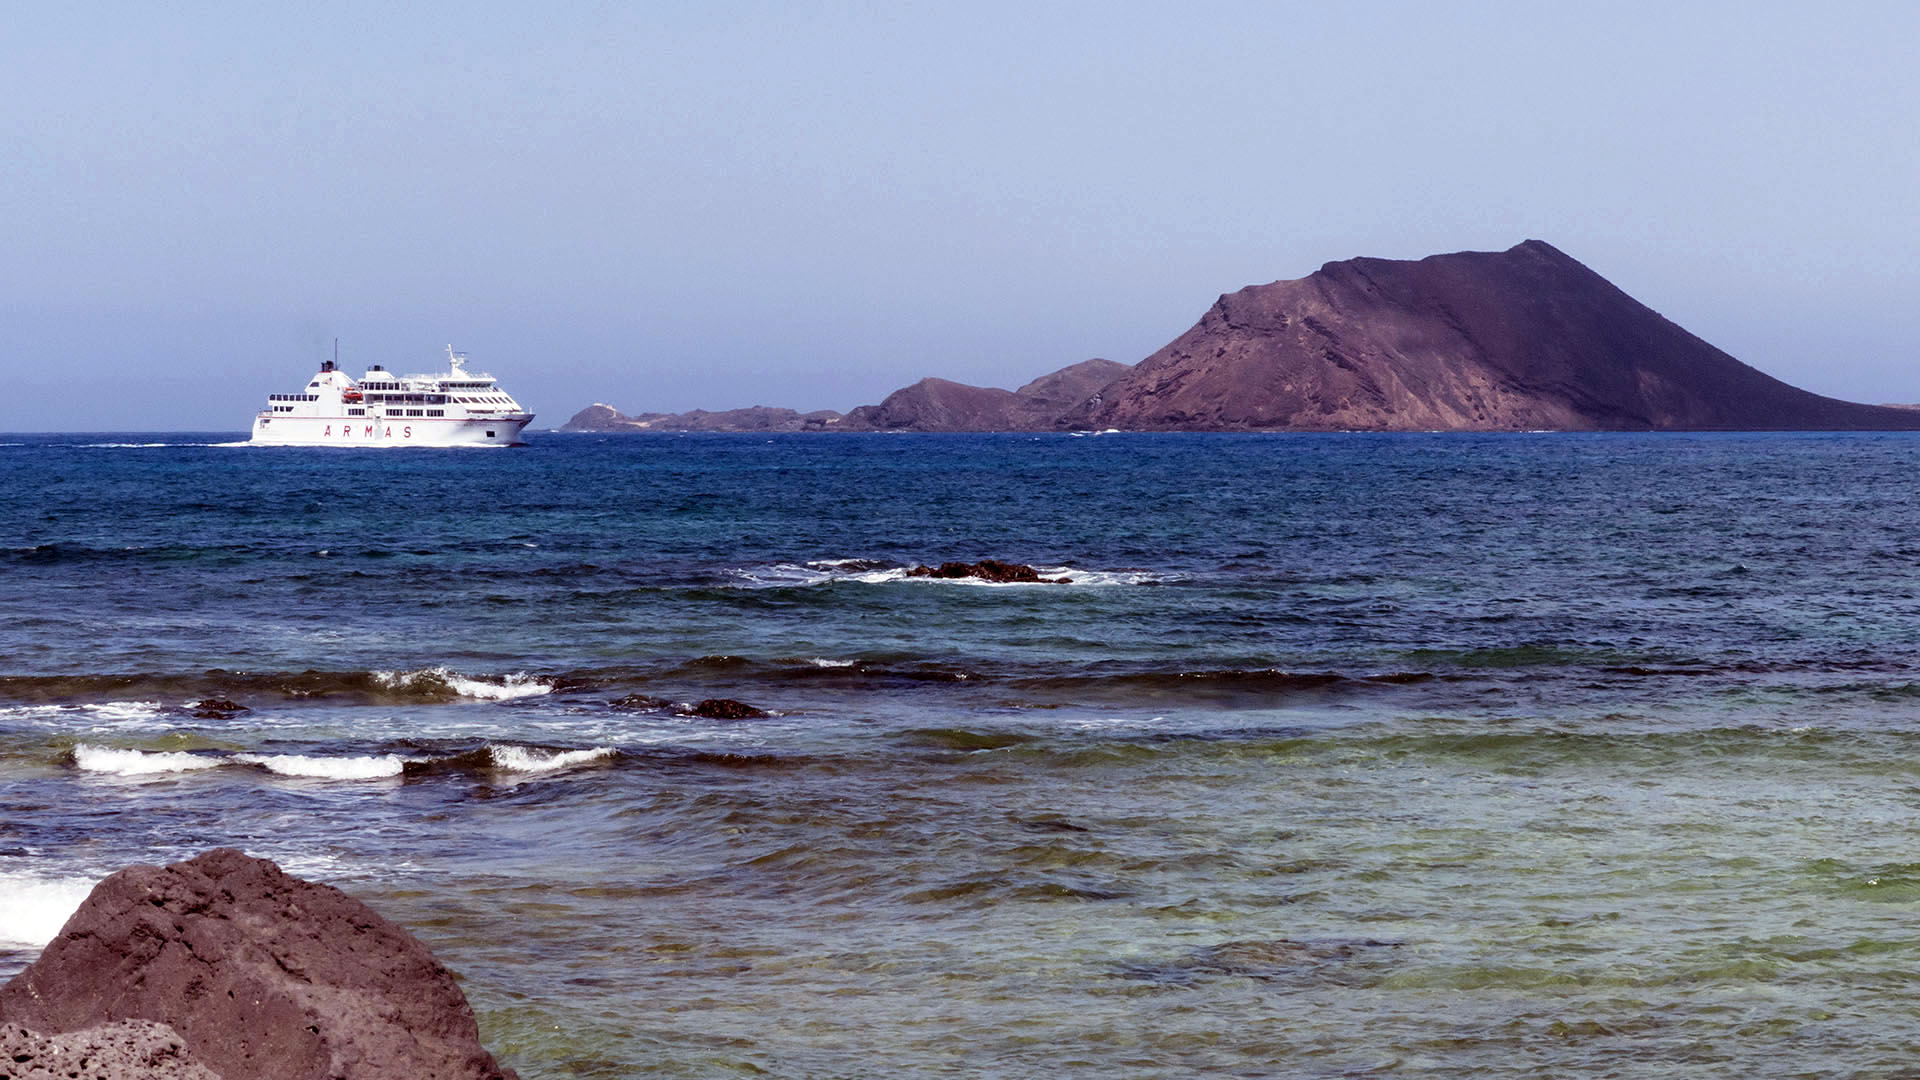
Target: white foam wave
[
  {"x": 1050, "y": 578},
  {"x": 116, "y": 762},
  {"x": 96, "y": 717},
  {"x": 526, "y": 759},
  {"x": 123, "y": 712},
  {"x": 517, "y": 685},
  {"x": 1105, "y": 577},
  {"x": 327, "y": 768},
  {"x": 506, "y": 688},
  {"x": 819, "y": 572},
  {"x": 866, "y": 572},
  {"x": 33, "y": 907},
  {"x": 819, "y": 661}
]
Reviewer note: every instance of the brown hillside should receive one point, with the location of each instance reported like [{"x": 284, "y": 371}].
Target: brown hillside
[
  {"x": 1522, "y": 339},
  {"x": 944, "y": 405}
]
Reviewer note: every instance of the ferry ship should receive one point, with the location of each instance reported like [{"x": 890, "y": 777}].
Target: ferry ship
[{"x": 451, "y": 408}]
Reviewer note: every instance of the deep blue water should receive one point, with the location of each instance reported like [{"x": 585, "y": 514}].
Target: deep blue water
[{"x": 1467, "y": 741}]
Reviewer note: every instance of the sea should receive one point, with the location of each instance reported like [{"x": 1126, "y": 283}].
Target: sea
[{"x": 1489, "y": 755}]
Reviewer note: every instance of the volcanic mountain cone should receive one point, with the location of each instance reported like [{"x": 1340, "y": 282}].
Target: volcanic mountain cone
[{"x": 1523, "y": 339}]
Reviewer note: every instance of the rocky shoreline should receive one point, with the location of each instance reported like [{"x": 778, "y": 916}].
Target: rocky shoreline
[{"x": 225, "y": 967}]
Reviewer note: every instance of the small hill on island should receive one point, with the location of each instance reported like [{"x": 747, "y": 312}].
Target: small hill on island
[
  {"x": 928, "y": 405},
  {"x": 941, "y": 405},
  {"x": 1525, "y": 339},
  {"x": 599, "y": 417}
]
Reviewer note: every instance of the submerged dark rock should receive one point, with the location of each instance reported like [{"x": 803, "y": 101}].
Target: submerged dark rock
[
  {"x": 988, "y": 570},
  {"x": 1279, "y": 960},
  {"x": 262, "y": 974},
  {"x": 640, "y": 703},
  {"x": 217, "y": 709},
  {"x": 726, "y": 709},
  {"x": 1268, "y": 959}
]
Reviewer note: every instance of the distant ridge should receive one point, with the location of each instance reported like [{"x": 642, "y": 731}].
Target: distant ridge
[
  {"x": 1525, "y": 339},
  {"x": 602, "y": 417},
  {"x": 940, "y": 405},
  {"x": 928, "y": 405}
]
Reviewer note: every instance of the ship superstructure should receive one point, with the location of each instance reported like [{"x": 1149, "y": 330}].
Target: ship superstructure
[{"x": 451, "y": 408}]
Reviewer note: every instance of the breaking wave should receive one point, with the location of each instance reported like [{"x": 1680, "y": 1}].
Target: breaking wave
[
  {"x": 877, "y": 572},
  {"x": 95, "y": 715},
  {"x": 501, "y": 757},
  {"x": 526, "y": 759},
  {"x": 115, "y": 762},
  {"x": 143, "y": 695},
  {"x": 37, "y": 906},
  {"x": 327, "y": 768},
  {"x": 435, "y": 680}
]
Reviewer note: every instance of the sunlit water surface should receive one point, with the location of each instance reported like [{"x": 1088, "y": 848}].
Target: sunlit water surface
[{"x": 1340, "y": 755}]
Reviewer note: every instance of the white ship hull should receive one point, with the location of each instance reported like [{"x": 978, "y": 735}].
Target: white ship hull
[
  {"x": 388, "y": 431},
  {"x": 451, "y": 408}
]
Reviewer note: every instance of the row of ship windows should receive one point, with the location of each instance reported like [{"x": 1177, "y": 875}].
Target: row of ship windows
[
  {"x": 390, "y": 412},
  {"x": 402, "y": 386},
  {"x": 437, "y": 399},
  {"x": 428, "y": 399}
]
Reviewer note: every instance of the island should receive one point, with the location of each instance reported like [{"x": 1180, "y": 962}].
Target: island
[{"x": 1526, "y": 339}]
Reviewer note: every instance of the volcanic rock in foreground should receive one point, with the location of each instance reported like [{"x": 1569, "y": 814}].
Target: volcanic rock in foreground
[
  {"x": 263, "y": 975},
  {"x": 1524, "y": 339},
  {"x": 119, "y": 1051}
]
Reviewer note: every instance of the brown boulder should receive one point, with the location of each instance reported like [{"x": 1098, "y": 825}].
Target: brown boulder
[{"x": 262, "y": 974}]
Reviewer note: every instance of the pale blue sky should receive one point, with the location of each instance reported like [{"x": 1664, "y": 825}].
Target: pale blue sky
[{"x": 670, "y": 206}]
